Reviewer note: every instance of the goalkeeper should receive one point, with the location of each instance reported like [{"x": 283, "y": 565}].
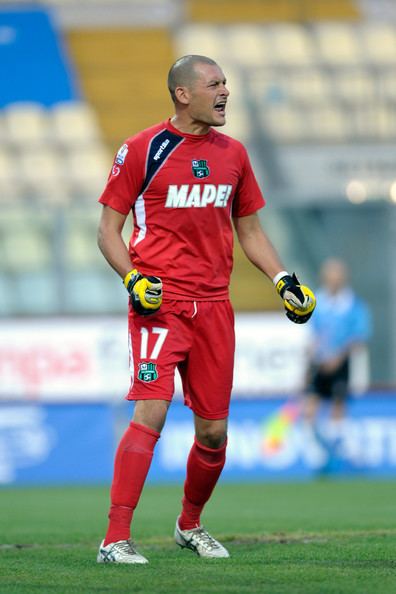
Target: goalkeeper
[{"x": 185, "y": 183}]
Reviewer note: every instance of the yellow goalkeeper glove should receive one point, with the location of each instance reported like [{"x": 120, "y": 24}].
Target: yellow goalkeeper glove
[
  {"x": 299, "y": 300},
  {"x": 145, "y": 292}
]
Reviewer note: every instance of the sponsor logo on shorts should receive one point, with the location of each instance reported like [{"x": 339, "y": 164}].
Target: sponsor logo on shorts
[
  {"x": 198, "y": 196},
  {"x": 200, "y": 168},
  {"x": 121, "y": 155},
  {"x": 147, "y": 372}
]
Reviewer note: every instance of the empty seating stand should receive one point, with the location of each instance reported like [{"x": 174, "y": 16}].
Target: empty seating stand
[{"x": 318, "y": 82}]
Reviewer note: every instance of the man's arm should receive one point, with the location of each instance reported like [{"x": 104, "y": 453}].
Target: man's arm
[
  {"x": 299, "y": 301},
  {"x": 145, "y": 291},
  {"x": 257, "y": 246},
  {"x": 110, "y": 240}
]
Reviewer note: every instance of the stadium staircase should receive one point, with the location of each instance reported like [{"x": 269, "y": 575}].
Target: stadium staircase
[
  {"x": 122, "y": 74},
  {"x": 265, "y": 11}
]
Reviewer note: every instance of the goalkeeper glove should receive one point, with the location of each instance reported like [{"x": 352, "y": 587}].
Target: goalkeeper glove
[
  {"x": 145, "y": 292},
  {"x": 299, "y": 300}
]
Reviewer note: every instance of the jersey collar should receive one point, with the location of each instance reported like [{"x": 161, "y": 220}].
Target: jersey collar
[{"x": 193, "y": 137}]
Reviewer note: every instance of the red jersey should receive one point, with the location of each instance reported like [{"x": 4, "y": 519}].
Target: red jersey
[{"x": 183, "y": 190}]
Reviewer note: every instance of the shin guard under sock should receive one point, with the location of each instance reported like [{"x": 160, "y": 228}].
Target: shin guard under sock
[
  {"x": 132, "y": 463},
  {"x": 204, "y": 467}
]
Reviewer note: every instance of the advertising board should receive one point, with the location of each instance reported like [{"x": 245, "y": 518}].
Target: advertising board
[
  {"x": 268, "y": 440},
  {"x": 87, "y": 359}
]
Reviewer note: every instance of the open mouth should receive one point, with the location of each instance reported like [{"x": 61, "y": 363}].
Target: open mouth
[{"x": 220, "y": 107}]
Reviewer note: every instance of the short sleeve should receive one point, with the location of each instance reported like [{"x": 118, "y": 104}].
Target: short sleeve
[
  {"x": 125, "y": 179},
  {"x": 248, "y": 196},
  {"x": 361, "y": 329}
]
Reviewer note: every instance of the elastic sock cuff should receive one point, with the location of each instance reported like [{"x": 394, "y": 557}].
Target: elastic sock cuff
[
  {"x": 210, "y": 450},
  {"x": 145, "y": 429}
]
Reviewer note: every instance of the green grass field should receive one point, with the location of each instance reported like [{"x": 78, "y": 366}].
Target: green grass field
[{"x": 324, "y": 537}]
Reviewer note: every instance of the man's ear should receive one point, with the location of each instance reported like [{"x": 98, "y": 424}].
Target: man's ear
[{"x": 183, "y": 95}]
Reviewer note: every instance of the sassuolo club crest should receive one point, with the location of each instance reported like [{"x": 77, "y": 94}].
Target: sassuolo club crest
[
  {"x": 147, "y": 372},
  {"x": 200, "y": 168}
]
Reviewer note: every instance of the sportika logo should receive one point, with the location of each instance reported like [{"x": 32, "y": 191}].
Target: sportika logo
[{"x": 161, "y": 149}]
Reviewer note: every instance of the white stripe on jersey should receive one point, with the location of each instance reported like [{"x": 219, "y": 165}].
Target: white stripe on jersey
[
  {"x": 131, "y": 362},
  {"x": 140, "y": 213}
]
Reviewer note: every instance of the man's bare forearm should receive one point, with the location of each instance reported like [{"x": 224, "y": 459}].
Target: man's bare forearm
[
  {"x": 115, "y": 251},
  {"x": 257, "y": 246},
  {"x": 111, "y": 243}
]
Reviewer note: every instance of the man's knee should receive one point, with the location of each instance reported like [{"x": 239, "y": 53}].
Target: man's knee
[
  {"x": 151, "y": 413},
  {"x": 211, "y": 433}
]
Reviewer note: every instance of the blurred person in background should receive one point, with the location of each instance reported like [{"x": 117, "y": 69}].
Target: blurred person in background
[{"x": 341, "y": 328}]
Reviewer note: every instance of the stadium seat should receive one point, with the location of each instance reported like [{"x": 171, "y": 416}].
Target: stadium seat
[
  {"x": 305, "y": 85},
  {"x": 27, "y": 261},
  {"x": 26, "y": 241},
  {"x": 3, "y": 133},
  {"x": 44, "y": 174},
  {"x": 354, "y": 86},
  {"x": 326, "y": 123},
  {"x": 248, "y": 46},
  {"x": 87, "y": 170},
  {"x": 26, "y": 124},
  {"x": 5, "y": 295},
  {"x": 292, "y": 45},
  {"x": 11, "y": 186},
  {"x": 206, "y": 40},
  {"x": 283, "y": 123},
  {"x": 91, "y": 292},
  {"x": 42, "y": 298},
  {"x": 374, "y": 122},
  {"x": 387, "y": 85},
  {"x": 308, "y": 86},
  {"x": 338, "y": 44},
  {"x": 379, "y": 43},
  {"x": 81, "y": 249},
  {"x": 73, "y": 124},
  {"x": 263, "y": 85}
]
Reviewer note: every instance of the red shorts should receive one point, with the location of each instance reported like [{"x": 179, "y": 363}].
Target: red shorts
[{"x": 198, "y": 338}]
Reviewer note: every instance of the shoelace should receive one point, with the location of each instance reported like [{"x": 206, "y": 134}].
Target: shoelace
[
  {"x": 126, "y": 547},
  {"x": 204, "y": 538}
]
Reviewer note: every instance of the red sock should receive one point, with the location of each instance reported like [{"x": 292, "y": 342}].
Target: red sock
[
  {"x": 132, "y": 463},
  {"x": 204, "y": 467}
]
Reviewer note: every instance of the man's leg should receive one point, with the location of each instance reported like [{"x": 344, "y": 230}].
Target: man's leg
[
  {"x": 132, "y": 463},
  {"x": 311, "y": 408},
  {"x": 338, "y": 409},
  {"x": 207, "y": 384},
  {"x": 204, "y": 466}
]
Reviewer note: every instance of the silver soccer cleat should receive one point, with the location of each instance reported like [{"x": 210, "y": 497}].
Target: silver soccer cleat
[
  {"x": 200, "y": 541},
  {"x": 122, "y": 551}
]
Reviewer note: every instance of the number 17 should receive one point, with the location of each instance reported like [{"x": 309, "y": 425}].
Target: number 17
[{"x": 162, "y": 332}]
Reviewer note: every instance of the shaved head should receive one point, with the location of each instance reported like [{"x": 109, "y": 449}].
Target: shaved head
[{"x": 183, "y": 72}]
